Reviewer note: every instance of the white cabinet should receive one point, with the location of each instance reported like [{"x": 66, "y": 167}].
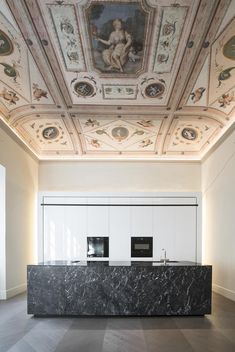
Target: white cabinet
[
  {"x": 120, "y": 238},
  {"x": 75, "y": 228},
  {"x": 67, "y": 224},
  {"x": 98, "y": 217},
  {"x": 175, "y": 231},
  {"x": 64, "y": 229},
  {"x": 53, "y": 233},
  {"x": 141, "y": 217}
]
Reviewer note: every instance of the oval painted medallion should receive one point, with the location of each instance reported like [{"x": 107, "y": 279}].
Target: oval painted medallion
[
  {"x": 50, "y": 132},
  {"x": 84, "y": 89},
  {"x": 189, "y": 133},
  {"x": 6, "y": 46}
]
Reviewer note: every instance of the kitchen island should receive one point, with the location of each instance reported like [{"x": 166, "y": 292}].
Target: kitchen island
[{"x": 119, "y": 288}]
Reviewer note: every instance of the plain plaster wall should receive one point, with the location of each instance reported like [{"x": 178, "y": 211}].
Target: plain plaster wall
[
  {"x": 120, "y": 176},
  {"x": 218, "y": 189},
  {"x": 21, "y": 192},
  {"x": 2, "y": 232}
]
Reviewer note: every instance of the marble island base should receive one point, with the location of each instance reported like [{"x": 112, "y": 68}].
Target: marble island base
[{"x": 104, "y": 289}]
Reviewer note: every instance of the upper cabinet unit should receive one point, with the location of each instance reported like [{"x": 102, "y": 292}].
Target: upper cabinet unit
[{"x": 172, "y": 222}]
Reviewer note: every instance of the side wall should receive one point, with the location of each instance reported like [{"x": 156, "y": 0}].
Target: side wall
[
  {"x": 117, "y": 176},
  {"x": 2, "y": 232},
  {"x": 218, "y": 189},
  {"x": 21, "y": 192}
]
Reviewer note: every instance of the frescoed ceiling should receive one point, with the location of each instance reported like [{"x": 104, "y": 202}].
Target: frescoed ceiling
[{"x": 137, "y": 79}]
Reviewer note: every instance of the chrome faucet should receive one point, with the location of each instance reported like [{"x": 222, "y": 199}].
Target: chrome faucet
[{"x": 164, "y": 259}]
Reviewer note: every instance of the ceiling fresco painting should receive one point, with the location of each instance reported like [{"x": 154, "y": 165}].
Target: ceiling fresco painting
[
  {"x": 46, "y": 133},
  {"x": 199, "y": 93},
  {"x": 68, "y": 36},
  {"x": 171, "y": 27},
  {"x": 194, "y": 133},
  {"x": 124, "y": 91},
  {"x": 222, "y": 77},
  {"x": 21, "y": 83},
  {"x": 86, "y": 79},
  {"x": 120, "y": 135},
  {"x": 117, "y": 36}
]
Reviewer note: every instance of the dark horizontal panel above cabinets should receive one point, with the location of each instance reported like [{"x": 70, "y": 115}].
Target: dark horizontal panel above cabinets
[{"x": 117, "y": 205}]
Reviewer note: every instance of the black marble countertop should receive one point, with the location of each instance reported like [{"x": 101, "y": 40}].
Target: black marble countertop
[
  {"x": 142, "y": 288},
  {"x": 117, "y": 263}
]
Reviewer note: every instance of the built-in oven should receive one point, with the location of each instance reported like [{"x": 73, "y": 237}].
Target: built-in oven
[
  {"x": 97, "y": 247},
  {"x": 141, "y": 247}
]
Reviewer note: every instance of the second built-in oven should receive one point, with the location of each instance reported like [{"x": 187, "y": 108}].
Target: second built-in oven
[{"x": 141, "y": 247}]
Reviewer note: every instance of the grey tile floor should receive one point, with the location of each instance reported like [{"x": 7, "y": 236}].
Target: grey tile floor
[{"x": 20, "y": 332}]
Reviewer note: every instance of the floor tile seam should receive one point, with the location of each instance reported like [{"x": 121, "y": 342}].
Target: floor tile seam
[
  {"x": 202, "y": 330},
  {"x": 24, "y": 338}
]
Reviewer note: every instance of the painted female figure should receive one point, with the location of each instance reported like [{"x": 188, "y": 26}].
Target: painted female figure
[{"x": 119, "y": 46}]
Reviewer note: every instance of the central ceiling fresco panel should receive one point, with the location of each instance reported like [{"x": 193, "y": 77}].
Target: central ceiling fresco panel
[{"x": 118, "y": 37}]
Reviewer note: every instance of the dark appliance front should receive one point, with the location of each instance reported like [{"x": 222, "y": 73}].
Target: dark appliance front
[
  {"x": 141, "y": 247},
  {"x": 97, "y": 247}
]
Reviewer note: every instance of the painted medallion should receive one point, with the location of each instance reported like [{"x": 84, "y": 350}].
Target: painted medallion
[
  {"x": 154, "y": 90},
  {"x": 229, "y": 48},
  {"x": 84, "y": 89},
  {"x": 189, "y": 133},
  {"x": 50, "y": 132},
  {"x": 120, "y": 133},
  {"x": 6, "y": 46}
]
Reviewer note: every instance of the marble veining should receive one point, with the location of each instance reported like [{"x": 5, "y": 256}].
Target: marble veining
[{"x": 141, "y": 290}]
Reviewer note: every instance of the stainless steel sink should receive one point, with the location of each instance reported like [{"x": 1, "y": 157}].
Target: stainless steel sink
[{"x": 167, "y": 261}]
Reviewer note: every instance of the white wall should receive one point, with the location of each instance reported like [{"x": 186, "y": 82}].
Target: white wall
[
  {"x": 21, "y": 190},
  {"x": 2, "y": 234},
  {"x": 218, "y": 187},
  {"x": 119, "y": 176}
]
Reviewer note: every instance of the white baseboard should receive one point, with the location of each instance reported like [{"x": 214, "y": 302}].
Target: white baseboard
[
  {"x": 3, "y": 294},
  {"x": 13, "y": 291},
  {"x": 224, "y": 291}
]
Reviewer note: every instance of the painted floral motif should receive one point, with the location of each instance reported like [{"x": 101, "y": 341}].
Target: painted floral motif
[
  {"x": 101, "y": 132},
  {"x": 11, "y": 70},
  {"x": 39, "y": 93},
  {"x": 91, "y": 123},
  {"x": 171, "y": 27},
  {"x": 224, "y": 75},
  {"x": 138, "y": 133},
  {"x": 197, "y": 94},
  {"x": 119, "y": 91},
  {"x": 66, "y": 28},
  {"x": 145, "y": 123},
  {"x": 145, "y": 143},
  {"x": 222, "y": 67},
  {"x": 10, "y": 96},
  {"x": 226, "y": 99},
  {"x": 95, "y": 143}
]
